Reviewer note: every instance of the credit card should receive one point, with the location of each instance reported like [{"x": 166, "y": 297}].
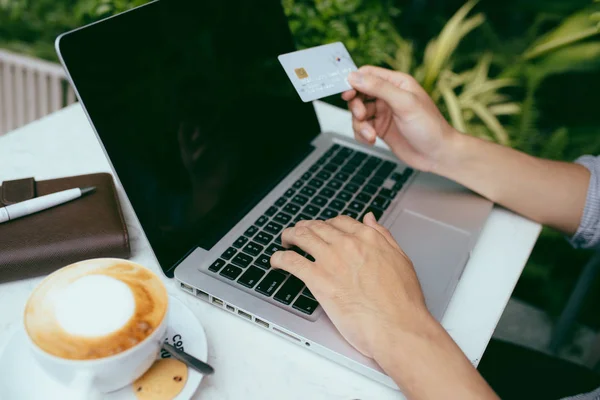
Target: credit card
[{"x": 319, "y": 71}]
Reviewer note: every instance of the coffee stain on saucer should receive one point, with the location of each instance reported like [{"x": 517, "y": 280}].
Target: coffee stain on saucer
[{"x": 163, "y": 381}]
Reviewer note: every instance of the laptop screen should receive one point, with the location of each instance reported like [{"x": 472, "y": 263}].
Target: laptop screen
[{"x": 197, "y": 116}]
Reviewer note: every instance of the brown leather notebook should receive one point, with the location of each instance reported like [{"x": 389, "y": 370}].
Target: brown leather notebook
[{"x": 88, "y": 227}]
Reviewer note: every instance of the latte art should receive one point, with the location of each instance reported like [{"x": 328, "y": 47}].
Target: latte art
[{"x": 95, "y": 309}]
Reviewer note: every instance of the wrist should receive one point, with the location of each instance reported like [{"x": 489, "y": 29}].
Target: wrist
[
  {"x": 402, "y": 336},
  {"x": 453, "y": 154}
]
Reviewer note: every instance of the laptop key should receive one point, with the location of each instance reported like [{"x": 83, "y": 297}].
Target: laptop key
[
  {"x": 270, "y": 283},
  {"x": 240, "y": 242},
  {"x": 396, "y": 176},
  {"x": 282, "y": 218},
  {"x": 251, "y": 277},
  {"x": 327, "y": 193},
  {"x": 345, "y": 152},
  {"x": 289, "y": 193},
  {"x": 217, "y": 265},
  {"x": 337, "y": 160},
  {"x": 344, "y": 196},
  {"x": 408, "y": 172},
  {"x": 315, "y": 183},
  {"x": 308, "y": 191},
  {"x": 271, "y": 211},
  {"x": 334, "y": 184},
  {"x": 273, "y": 228},
  {"x": 314, "y": 168},
  {"x": 261, "y": 221},
  {"x": 376, "y": 212},
  {"x": 358, "y": 179},
  {"x": 350, "y": 213},
  {"x": 299, "y": 199},
  {"x": 356, "y": 206},
  {"x": 351, "y": 187},
  {"x": 228, "y": 253},
  {"x": 263, "y": 238},
  {"x": 308, "y": 293},
  {"x": 390, "y": 194},
  {"x": 263, "y": 261},
  {"x": 289, "y": 290},
  {"x": 385, "y": 169},
  {"x": 370, "y": 189},
  {"x": 398, "y": 186},
  {"x": 306, "y": 305},
  {"x": 376, "y": 181},
  {"x": 302, "y": 217},
  {"x": 342, "y": 176},
  {"x": 306, "y": 176},
  {"x": 329, "y": 213},
  {"x": 280, "y": 201},
  {"x": 291, "y": 208},
  {"x": 348, "y": 169},
  {"x": 241, "y": 260},
  {"x": 330, "y": 167},
  {"x": 311, "y": 210},
  {"x": 381, "y": 202},
  {"x": 364, "y": 197},
  {"x": 251, "y": 231},
  {"x": 337, "y": 205},
  {"x": 298, "y": 184},
  {"x": 231, "y": 272},
  {"x": 272, "y": 248},
  {"x": 323, "y": 175}
]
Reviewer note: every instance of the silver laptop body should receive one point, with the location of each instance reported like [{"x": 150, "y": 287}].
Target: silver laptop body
[{"x": 435, "y": 221}]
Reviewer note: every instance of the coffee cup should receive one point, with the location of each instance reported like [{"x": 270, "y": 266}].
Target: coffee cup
[{"x": 97, "y": 325}]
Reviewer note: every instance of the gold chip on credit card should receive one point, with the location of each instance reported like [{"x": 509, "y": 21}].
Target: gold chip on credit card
[{"x": 301, "y": 73}]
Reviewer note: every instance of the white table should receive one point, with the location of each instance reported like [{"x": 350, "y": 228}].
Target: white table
[{"x": 249, "y": 361}]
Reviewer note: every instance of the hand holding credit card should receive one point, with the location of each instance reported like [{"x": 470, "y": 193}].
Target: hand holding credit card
[{"x": 319, "y": 71}]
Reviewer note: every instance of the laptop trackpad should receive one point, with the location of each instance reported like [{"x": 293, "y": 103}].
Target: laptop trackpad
[{"x": 439, "y": 253}]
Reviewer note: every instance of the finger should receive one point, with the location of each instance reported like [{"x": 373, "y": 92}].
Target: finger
[
  {"x": 371, "y": 109},
  {"x": 304, "y": 238},
  {"x": 372, "y": 85},
  {"x": 370, "y": 221},
  {"x": 345, "y": 224},
  {"x": 400, "y": 79},
  {"x": 358, "y": 108},
  {"x": 295, "y": 264},
  {"x": 364, "y": 131},
  {"x": 328, "y": 233},
  {"x": 349, "y": 95}
]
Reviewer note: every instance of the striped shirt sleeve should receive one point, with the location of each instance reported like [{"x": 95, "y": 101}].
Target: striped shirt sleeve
[{"x": 588, "y": 233}]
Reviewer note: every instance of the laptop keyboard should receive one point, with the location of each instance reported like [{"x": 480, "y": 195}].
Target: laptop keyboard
[{"x": 343, "y": 181}]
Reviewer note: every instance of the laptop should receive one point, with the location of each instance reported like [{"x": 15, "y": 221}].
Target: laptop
[{"x": 218, "y": 155}]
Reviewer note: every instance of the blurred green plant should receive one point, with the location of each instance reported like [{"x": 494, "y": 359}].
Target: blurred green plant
[
  {"x": 475, "y": 103},
  {"x": 30, "y": 26},
  {"x": 364, "y": 26}
]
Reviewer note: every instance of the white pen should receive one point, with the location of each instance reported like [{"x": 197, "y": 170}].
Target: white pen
[{"x": 37, "y": 204}]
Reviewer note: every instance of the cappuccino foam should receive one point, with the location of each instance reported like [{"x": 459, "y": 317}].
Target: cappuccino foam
[{"x": 95, "y": 309}]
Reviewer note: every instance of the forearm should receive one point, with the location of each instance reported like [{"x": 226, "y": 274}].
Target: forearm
[
  {"x": 550, "y": 192},
  {"x": 427, "y": 364}
]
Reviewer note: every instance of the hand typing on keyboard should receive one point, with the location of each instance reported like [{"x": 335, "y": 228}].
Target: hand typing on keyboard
[
  {"x": 369, "y": 289},
  {"x": 360, "y": 276}
]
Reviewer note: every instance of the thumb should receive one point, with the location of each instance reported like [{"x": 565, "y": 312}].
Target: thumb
[
  {"x": 370, "y": 221},
  {"x": 372, "y": 85}
]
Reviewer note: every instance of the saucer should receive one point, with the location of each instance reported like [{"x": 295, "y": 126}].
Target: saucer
[{"x": 22, "y": 379}]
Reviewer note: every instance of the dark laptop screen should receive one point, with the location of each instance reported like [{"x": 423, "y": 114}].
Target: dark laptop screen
[{"x": 194, "y": 110}]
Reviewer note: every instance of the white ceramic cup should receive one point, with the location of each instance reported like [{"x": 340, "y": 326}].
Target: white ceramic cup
[{"x": 88, "y": 379}]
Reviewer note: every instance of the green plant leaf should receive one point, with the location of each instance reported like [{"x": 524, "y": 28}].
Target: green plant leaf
[
  {"x": 554, "y": 147},
  {"x": 577, "y": 57},
  {"x": 453, "y": 107},
  {"x": 491, "y": 122},
  {"x": 439, "y": 50},
  {"x": 577, "y": 27}
]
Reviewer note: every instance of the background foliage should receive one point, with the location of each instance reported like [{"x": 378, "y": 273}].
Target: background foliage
[{"x": 525, "y": 73}]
